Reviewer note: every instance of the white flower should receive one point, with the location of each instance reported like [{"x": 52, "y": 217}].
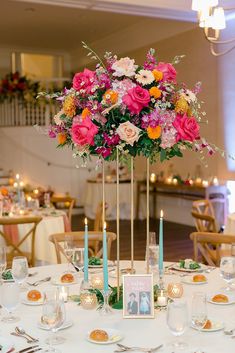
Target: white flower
[
  {"x": 145, "y": 77},
  {"x": 57, "y": 118},
  {"x": 124, "y": 67},
  {"x": 128, "y": 132},
  {"x": 189, "y": 96}
]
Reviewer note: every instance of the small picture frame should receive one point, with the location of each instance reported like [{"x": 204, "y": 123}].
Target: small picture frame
[{"x": 138, "y": 298}]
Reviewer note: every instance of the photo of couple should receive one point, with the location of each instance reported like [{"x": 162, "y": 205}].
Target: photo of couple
[{"x": 139, "y": 304}]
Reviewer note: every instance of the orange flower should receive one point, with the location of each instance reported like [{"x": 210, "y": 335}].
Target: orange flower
[
  {"x": 69, "y": 106},
  {"x": 86, "y": 112},
  {"x": 154, "y": 132},
  {"x": 62, "y": 137},
  {"x": 181, "y": 106},
  {"x": 4, "y": 191},
  {"x": 110, "y": 96},
  {"x": 155, "y": 92},
  {"x": 158, "y": 75}
]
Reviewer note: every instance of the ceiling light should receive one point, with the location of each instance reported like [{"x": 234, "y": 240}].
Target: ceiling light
[{"x": 218, "y": 18}]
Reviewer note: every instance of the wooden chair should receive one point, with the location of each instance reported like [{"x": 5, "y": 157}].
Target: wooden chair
[
  {"x": 209, "y": 246},
  {"x": 14, "y": 249},
  {"x": 94, "y": 242},
  {"x": 203, "y": 207},
  {"x": 64, "y": 200},
  {"x": 204, "y": 222}
]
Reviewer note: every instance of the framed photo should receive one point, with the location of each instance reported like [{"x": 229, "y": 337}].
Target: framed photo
[{"x": 138, "y": 300}]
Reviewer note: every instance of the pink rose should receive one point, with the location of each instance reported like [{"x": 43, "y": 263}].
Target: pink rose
[
  {"x": 83, "y": 133},
  {"x": 84, "y": 81},
  {"x": 169, "y": 72},
  {"x": 136, "y": 99},
  {"x": 128, "y": 132},
  {"x": 187, "y": 128}
]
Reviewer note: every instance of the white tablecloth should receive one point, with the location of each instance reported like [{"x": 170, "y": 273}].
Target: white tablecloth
[{"x": 140, "y": 332}]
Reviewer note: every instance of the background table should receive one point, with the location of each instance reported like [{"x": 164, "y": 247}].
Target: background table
[{"x": 140, "y": 332}]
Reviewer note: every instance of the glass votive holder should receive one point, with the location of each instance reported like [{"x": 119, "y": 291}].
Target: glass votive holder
[
  {"x": 162, "y": 297},
  {"x": 175, "y": 290},
  {"x": 97, "y": 282},
  {"x": 63, "y": 293},
  {"x": 88, "y": 300}
]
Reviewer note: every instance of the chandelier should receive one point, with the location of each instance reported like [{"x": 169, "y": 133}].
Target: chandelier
[{"x": 211, "y": 18}]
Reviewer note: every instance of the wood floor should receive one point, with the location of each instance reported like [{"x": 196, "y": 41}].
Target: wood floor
[{"x": 177, "y": 244}]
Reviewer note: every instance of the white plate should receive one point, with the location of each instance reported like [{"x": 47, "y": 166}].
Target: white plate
[
  {"x": 231, "y": 299},
  {"x": 216, "y": 326},
  {"x": 68, "y": 323},
  {"x": 189, "y": 280},
  {"x": 178, "y": 268},
  {"x": 57, "y": 282},
  {"x": 114, "y": 336},
  {"x": 24, "y": 300},
  {"x": 6, "y": 344}
]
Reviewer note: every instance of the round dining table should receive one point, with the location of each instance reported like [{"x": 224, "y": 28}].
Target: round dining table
[{"x": 149, "y": 332}]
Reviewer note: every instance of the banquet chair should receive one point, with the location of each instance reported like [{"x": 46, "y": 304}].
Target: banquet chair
[
  {"x": 14, "y": 246},
  {"x": 211, "y": 246},
  {"x": 95, "y": 240},
  {"x": 204, "y": 222},
  {"x": 205, "y": 207},
  {"x": 64, "y": 200}
]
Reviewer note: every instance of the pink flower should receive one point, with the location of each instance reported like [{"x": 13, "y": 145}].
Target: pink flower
[
  {"x": 84, "y": 81},
  {"x": 83, "y": 133},
  {"x": 128, "y": 132},
  {"x": 136, "y": 99},
  {"x": 169, "y": 72},
  {"x": 187, "y": 128},
  {"x": 104, "y": 151}
]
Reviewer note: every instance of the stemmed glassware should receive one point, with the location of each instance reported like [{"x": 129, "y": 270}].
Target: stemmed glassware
[
  {"x": 20, "y": 269},
  {"x": 199, "y": 312},
  {"x": 227, "y": 271},
  {"x": 3, "y": 261},
  {"x": 53, "y": 316},
  {"x": 78, "y": 258},
  {"x": 10, "y": 296},
  {"x": 153, "y": 252},
  {"x": 177, "y": 321},
  {"x": 69, "y": 248}
]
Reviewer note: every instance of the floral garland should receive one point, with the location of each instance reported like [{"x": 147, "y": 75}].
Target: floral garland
[{"x": 139, "y": 110}]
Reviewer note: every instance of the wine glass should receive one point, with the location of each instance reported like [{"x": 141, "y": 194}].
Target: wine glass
[
  {"x": 3, "y": 261},
  {"x": 10, "y": 296},
  {"x": 78, "y": 258},
  {"x": 153, "y": 252},
  {"x": 69, "y": 248},
  {"x": 20, "y": 269},
  {"x": 53, "y": 316},
  {"x": 227, "y": 271},
  {"x": 199, "y": 312},
  {"x": 177, "y": 321}
]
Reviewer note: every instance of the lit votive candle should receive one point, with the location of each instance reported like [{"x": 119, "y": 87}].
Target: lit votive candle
[
  {"x": 175, "y": 181},
  {"x": 88, "y": 300},
  {"x": 35, "y": 191},
  {"x": 205, "y": 183},
  {"x": 215, "y": 181},
  {"x": 21, "y": 212},
  {"x": 169, "y": 180},
  {"x": 64, "y": 293},
  {"x": 190, "y": 181},
  {"x": 198, "y": 181},
  {"x": 153, "y": 177},
  {"x": 175, "y": 290},
  {"x": 162, "y": 298},
  {"x": 97, "y": 282}
]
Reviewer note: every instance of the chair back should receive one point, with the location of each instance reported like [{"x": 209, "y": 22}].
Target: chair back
[
  {"x": 64, "y": 200},
  {"x": 95, "y": 240},
  {"x": 15, "y": 247},
  {"x": 210, "y": 246},
  {"x": 204, "y": 222},
  {"x": 203, "y": 207}
]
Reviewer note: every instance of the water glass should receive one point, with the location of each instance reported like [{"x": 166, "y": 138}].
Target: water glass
[
  {"x": 20, "y": 269},
  {"x": 69, "y": 247},
  {"x": 78, "y": 258},
  {"x": 199, "y": 313},
  {"x": 153, "y": 252},
  {"x": 227, "y": 271},
  {"x": 3, "y": 261},
  {"x": 53, "y": 316},
  {"x": 10, "y": 297},
  {"x": 177, "y": 321}
]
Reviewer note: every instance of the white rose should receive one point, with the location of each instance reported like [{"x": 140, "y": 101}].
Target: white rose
[
  {"x": 124, "y": 67},
  {"x": 128, "y": 132}
]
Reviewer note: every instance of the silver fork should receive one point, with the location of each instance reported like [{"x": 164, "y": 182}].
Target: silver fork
[
  {"x": 146, "y": 350},
  {"x": 35, "y": 284}
]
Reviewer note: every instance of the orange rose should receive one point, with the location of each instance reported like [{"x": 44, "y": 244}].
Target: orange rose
[
  {"x": 158, "y": 75},
  {"x": 110, "y": 97},
  {"x": 154, "y": 132},
  {"x": 4, "y": 191},
  {"x": 155, "y": 92},
  {"x": 62, "y": 137},
  {"x": 86, "y": 112}
]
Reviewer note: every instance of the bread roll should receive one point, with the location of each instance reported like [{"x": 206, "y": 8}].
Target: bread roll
[
  {"x": 34, "y": 295},
  {"x": 67, "y": 278},
  {"x": 199, "y": 278},
  {"x": 208, "y": 325},
  {"x": 99, "y": 335},
  {"x": 220, "y": 298}
]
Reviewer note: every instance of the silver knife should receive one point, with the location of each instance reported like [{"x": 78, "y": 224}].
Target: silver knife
[
  {"x": 34, "y": 350},
  {"x": 27, "y": 349}
]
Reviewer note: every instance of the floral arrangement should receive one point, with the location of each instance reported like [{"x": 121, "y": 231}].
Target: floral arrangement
[
  {"x": 139, "y": 110},
  {"x": 15, "y": 85}
]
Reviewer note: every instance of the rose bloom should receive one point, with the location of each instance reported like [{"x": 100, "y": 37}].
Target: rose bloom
[
  {"x": 128, "y": 132},
  {"x": 168, "y": 70},
  {"x": 83, "y": 133},
  {"x": 136, "y": 99},
  {"x": 124, "y": 67},
  {"x": 187, "y": 128},
  {"x": 84, "y": 81}
]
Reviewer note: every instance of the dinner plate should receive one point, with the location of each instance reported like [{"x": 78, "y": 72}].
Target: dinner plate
[
  {"x": 189, "y": 280},
  {"x": 114, "y": 336},
  {"x": 66, "y": 324},
  {"x": 7, "y": 345},
  {"x": 56, "y": 281},
  {"x": 178, "y": 268},
  {"x": 231, "y": 299},
  {"x": 216, "y": 326}
]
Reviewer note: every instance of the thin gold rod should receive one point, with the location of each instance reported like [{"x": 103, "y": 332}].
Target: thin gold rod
[
  {"x": 118, "y": 228},
  {"x": 147, "y": 216},
  {"x": 132, "y": 214},
  {"x": 103, "y": 194}
]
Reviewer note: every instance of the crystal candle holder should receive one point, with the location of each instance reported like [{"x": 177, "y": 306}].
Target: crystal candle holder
[
  {"x": 175, "y": 290},
  {"x": 88, "y": 300},
  {"x": 105, "y": 309}
]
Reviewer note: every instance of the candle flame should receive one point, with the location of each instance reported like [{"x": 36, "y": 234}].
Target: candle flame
[
  {"x": 15, "y": 185},
  {"x": 105, "y": 225},
  {"x": 161, "y": 214},
  {"x": 17, "y": 176},
  {"x": 85, "y": 221}
]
